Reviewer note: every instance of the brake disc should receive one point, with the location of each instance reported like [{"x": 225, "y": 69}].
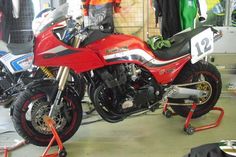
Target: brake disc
[{"x": 39, "y": 110}]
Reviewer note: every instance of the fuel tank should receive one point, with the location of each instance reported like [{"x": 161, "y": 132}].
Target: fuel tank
[{"x": 122, "y": 48}]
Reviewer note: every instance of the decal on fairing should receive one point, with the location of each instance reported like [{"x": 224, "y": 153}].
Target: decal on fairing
[
  {"x": 57, "y": 52},
  {"x": 141, "y": 56},
  {"x": 17, "y": 63},
  {"x": 117, "y": 50},
  {"x": 2, "y": 53},
  {"x": 22, "y": 63}
]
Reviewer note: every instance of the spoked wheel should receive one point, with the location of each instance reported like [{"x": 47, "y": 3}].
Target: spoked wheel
[
  {"x": 105, "y": 102},
  {"x": 195, "y": 73},
  {"x": 30, "y": 108}
]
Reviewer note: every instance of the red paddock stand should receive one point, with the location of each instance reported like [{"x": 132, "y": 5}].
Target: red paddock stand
[
  {"x": 61, "y": 150},
  {"x": 187, "y": 126},
  {"x": 6, "y": 149}
]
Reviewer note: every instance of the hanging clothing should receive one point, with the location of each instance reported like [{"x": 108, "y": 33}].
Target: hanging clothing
[
  {"x": 21, "y": 28},
  {"x": 100, "y": 11},
  {"x": 169, "y": 11},
  {"x": 16, "y": 8},
  {"x": 155, "y": 5},
  {"x": 6, "y": 8},
  {"x": 188, "y": 10}
]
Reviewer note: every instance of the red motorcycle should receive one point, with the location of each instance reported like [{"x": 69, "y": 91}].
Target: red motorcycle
[{"x": 125, "y": 76}]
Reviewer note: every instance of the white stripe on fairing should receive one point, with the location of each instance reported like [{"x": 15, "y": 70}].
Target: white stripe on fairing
[
  {"x": 142, "y": 53},
  {"x": 55, "y": 49}
]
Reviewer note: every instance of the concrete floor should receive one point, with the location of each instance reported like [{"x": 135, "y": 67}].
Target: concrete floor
[{"x": 147, "y": 135}]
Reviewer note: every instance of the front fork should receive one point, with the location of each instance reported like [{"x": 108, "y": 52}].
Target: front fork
[{"x": 62, "y": 76}]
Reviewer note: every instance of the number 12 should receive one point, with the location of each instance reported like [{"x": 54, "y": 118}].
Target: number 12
[{"x": 205, "y": 45}]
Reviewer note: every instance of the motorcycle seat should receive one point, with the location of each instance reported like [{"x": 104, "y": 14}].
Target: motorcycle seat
[{"x": 180, "y": 44}]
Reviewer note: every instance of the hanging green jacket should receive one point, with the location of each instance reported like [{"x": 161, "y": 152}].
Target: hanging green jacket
[{"x": 188, "y": 10}]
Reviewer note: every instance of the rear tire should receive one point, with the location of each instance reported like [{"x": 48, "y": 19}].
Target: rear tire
[
  {"x": 188, "y": 75},
  {"x": 27, "y": 116}
]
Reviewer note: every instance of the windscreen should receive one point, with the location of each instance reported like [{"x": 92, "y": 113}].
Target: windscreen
[{"x": 57, "y": 15}]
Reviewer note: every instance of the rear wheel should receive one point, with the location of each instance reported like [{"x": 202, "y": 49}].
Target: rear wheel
[
  {"x": 200, "y": 72},
  {"x": 30, "y": 108}
]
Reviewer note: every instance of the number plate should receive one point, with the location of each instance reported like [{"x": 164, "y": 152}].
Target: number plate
[{"x": 201, "y": 45}]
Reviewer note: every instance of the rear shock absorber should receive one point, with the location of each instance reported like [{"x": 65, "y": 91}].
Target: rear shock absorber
[{"x": 47, "y": 72}]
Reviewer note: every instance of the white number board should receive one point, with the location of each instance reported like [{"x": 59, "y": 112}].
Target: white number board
[{"x": 201, "y": 45}]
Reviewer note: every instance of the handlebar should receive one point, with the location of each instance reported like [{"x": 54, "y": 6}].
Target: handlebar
[
  {"x": 103, "y": 28},
  {"x": 83, "y": 33}
]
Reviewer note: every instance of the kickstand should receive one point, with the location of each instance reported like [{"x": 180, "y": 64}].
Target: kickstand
[{"x": 61, "y": 150}]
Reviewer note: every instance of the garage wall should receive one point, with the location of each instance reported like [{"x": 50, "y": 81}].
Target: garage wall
[
  {"x": 74, "y": 8},
  {"x": 131, "y": 19},
  {"x": 136, "y": 18}
]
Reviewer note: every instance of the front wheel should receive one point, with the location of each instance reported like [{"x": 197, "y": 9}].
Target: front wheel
[
  {"x": 32, "y": 105},
  {"x": 200, "y": 72}
]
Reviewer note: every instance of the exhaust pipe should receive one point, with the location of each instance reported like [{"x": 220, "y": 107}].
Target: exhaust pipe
[{"x": 176, "y": 92}]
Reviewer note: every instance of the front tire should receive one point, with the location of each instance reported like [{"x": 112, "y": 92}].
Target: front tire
[
  {"x": 32, "y": 105},
  {"x": 193, "y": 73}
]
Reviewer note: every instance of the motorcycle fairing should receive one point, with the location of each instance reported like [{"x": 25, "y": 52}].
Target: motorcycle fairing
[
  {"x": 140, "y": 56},
  {"x": 17, "y": 63},
  {"x": 50, "y": 51},
  {"x": 163, "y": 71},
  {"x": 2, "y": 53}
]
